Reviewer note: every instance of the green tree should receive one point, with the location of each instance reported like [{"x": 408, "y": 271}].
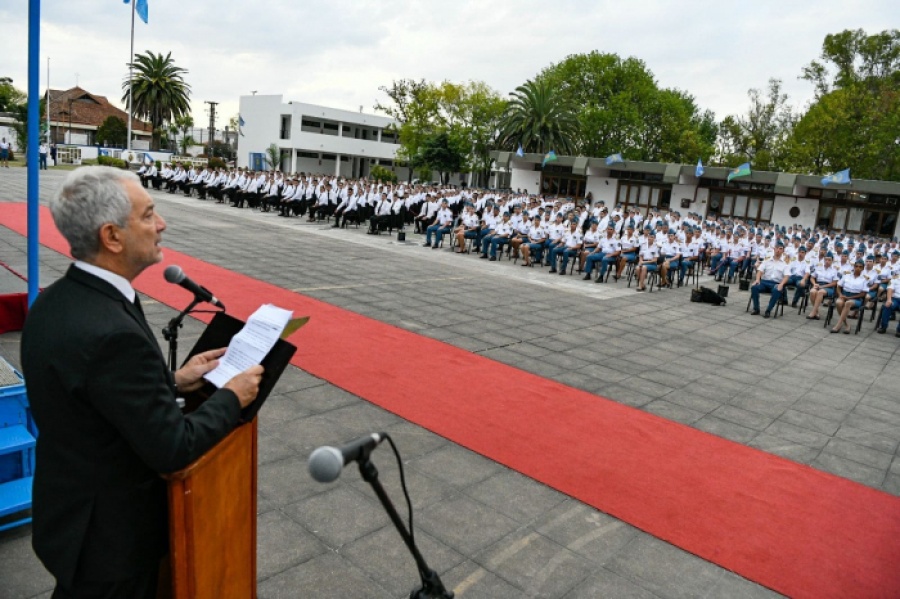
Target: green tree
[
  {"x": 540, "y": 119},
  {"x": 762, "y": 135},
  {"x": 620, "y": 108},
  {"x": 854, "y": 120},
  {"x": 186, "y": 142},
  {"x": 382, "y": 174},
  {"x": 10, "y": 97},
  {"x": 160, "y": 92},
  {"x": 112, "y": 132},
  {"x": 442, "y": 153},
  {"x": 273, "y": 157},
  {"x": 20, "y": 124}
]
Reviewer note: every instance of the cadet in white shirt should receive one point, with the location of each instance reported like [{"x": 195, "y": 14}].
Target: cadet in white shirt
[
  {"x": 647, "y": 259},
  {"x": 501, "y": 234},
  {"x": 771, "y": 276},
  {"x": 537, "y": 239},
  {"x": 891, "y": 305},
  {"x": 442, "y": 224},
  {"x": 852, "y": 291},
  {"x": 570, "y": 248},
  {"x": 798, "y": 275},
  {"x": 467, "y": 229}
]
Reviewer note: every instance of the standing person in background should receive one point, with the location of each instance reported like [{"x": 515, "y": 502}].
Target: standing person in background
[{"x": 4, "y": 153}]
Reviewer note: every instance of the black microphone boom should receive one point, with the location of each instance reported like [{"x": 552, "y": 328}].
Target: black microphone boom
[
  {"x": 175, "y": 275},
  {"x": 326, "y": 462}
]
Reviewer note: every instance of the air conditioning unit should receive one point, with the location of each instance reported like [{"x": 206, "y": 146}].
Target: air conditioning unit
[{"x": 892, "y": 201}]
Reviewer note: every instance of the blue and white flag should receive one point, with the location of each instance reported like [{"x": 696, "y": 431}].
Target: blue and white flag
[
  {"x": 614, "y": 159},
  {"x": 141, "y": 9},
  {"x": 699, "y": 171},
  {"x": 240, "y": 124},
  {"x": 840, "y": 177},
  {"x": 520, "y": 152}
]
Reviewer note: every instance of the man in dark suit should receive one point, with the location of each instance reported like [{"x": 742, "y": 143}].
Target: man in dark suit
[{"x": 104, "y": 401}]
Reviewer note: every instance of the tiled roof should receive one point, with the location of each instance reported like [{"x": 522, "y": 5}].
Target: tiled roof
[{"x": 87, "y": 109}]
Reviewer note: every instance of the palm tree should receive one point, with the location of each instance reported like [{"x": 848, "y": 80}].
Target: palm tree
[
  {"x": 538, "y": 118},
  {"x": 160, "y": 93}
]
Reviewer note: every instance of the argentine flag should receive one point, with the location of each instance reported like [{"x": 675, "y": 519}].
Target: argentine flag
[
  {"x": 840, "y": 177},
  {"x": 614, "y": 159},
  {"x": 698, "y": 172},
  {"x": 141, "y": 9}
]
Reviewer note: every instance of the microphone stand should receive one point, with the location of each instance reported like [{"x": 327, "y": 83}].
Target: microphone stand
[
  {"x": 170, "y": 333},
  {"x": 432, "y": 587}
]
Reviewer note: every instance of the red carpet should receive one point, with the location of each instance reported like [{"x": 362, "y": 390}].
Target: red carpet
[{"x": 789, "y": 527}]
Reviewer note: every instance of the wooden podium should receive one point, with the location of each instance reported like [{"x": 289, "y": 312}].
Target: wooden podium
[{"x": 212, "y": 522}]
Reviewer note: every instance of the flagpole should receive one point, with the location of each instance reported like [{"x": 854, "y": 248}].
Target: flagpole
[
  {"x": 31, "y": 152},
  {"x": 48, "y": 101},
  {"x": 130, "y": 75}
]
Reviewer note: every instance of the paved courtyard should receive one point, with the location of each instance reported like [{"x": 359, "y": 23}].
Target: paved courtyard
[{"x": 784, "y": 386}]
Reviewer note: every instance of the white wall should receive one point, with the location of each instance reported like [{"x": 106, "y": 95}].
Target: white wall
[
  {"x": 680, "y": 192},
  {"x": 10, "y": 134},
  {"x": 808, "y": 211},
  {"x": 602, "y": 188},
  {"x": 525, "y": 179},
  {"x": 701, "y": 205}
]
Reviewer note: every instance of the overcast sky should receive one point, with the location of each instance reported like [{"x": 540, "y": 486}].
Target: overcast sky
[{"x": 337, "y": 53}]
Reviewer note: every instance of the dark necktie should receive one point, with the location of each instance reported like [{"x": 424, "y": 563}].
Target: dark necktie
[{"x": 137, "y": 304}]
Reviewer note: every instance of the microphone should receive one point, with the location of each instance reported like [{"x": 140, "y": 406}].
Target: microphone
[
  {"x": 174, "y": 274},
  {"x": 326, "y": 462}
]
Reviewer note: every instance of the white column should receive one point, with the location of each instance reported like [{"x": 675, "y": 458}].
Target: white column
[
  {"x": 337, "y": 164},
  {"x": 379, "y": 136},
  {"x": 293, "y": 160},
  {"x": 340, "y": 129}
]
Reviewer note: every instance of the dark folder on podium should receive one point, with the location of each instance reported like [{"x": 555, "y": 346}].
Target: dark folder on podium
[{"x": 218, "y": 334}]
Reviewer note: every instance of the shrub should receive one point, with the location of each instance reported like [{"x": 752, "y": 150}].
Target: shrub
[
  {"x": 216, "y": 162},
  {"x": 110, "y": 161},
  {"x": 379, "y": 173}
]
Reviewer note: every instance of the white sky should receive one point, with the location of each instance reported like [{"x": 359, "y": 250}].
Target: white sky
[{"x": 337, "y": 53}]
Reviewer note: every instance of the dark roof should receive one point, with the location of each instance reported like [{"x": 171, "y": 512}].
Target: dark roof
[{"x": 87, "y": 109}]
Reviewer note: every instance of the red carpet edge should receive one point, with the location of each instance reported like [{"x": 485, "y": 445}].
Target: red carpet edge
[{"x": 789, "y": 527}]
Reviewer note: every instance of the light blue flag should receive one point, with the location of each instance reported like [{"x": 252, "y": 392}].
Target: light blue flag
[
  {"x": 240, "y": 124},
  {"x": 614, "y": 159},
  {"x": 840, "y": 177},
  {"x": 520, "y": 152},
  {"x": 141, "y": 9},
  {"x": 699, "y": 171}
]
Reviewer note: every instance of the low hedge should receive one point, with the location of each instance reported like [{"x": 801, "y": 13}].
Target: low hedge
[{"x": 110, "y": 161}]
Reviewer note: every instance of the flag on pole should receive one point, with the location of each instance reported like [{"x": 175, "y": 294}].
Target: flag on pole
[
  {"x": 739, "y": 171},
  {"x": 614, "y": 159},
  {"x": 141, "y": 9},
  {"x": 699, "y": 170},
  {"x": 840, "y": 177},
  {"x": 548, "y": 157},
  {"x": 520, "y": 152},
  {"x": 240, "y": 125}
]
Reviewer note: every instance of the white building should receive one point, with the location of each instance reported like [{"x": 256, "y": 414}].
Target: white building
[
  {"x": 863, "y": 206},
  {"x": 316, "y": 139}
]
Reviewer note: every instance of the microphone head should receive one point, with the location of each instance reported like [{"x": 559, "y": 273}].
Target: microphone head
[
  {"x": 325, "y": 464},
  {"x": 174, "y": 274}
]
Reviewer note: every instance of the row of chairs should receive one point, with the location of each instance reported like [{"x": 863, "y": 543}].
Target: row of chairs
[{"x": 830, "y": 303}]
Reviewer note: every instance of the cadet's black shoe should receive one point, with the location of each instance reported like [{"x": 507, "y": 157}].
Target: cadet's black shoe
[
  {"x": 483, "y": 256},
  {"x": 586, "y": 277},
  {"x": 427, "y": 244},
  {"x": 562, "y": 272},
  {"x": 794, "y": 304},
  {"x": 754, "y": 313},
  {"x": 493, "y": 259},
  {"x": 767, "y": 314},
  {"x": 880, "y": 331},
  {"x": 552, "y": 271}
]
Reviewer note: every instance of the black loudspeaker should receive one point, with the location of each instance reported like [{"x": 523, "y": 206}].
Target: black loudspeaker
[
  {"x": 401, "y": 235},
  {"x": 723, "y": 290},
  {"x": 744, "y": 284}
]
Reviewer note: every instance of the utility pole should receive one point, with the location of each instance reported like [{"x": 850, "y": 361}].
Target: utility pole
[{"x": 212, "y": 123}]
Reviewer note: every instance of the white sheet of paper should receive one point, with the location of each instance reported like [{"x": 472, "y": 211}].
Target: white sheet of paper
[{"x": 251, "y": 344}]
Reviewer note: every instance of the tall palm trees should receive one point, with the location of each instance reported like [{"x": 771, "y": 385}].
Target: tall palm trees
[
  {"x": 160, "y": 93},
  {"x": 538, "y": 119}
]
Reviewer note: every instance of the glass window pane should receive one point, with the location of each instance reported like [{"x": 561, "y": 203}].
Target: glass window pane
[
  {"x": 643, "y": 195},
  {"x": 766, "y": 214},
  {"x": 740, "y": 206},
  {"x": 654, "y": 197},
  {"x": 824, "y": 219},
  {"x": 888, "y": 225},
  {"x": 727, "y": 205},
  {"x": 854, "y": 222},
  {"x": 753, "y": 208},
  {"x": 623, "y": 193},
  {"x": 840, "y": 219}
]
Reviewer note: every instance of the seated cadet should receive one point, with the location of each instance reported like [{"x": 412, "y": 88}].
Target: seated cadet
[
  {"x": 467, "y": 229},
  {"x": 489, "y": 221},
  {"x": 629, "y": 246},
  {"x": 891, "y": 305},
  {"x": 798, "y": 275},
  {"x": 500, "y": 236},
  {"x": 771, "y": 276},
  {"x": 382, "y": 216},
  {"x": 442, "y": 224},
  {"x": 534, "y": 245},
  {"x": 852, "y": 291},
  {"x": 590, "y": 242},
  {"x": 871, "y": 272},
  {"x": 520, "y": 232},
  {"x": 671, "y": 252},
  {"x": 555, "y": 232},
  {"x": 647, "y": 259},
  {"x": 690, "y": 253},
  {"x": 824, "y": 283},
  {"x": 571, "y": 247},
  {"x": 608, "y": 251}
]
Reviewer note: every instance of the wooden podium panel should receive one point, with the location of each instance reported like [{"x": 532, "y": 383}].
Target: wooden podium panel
[{"x": 212, "y": 521}]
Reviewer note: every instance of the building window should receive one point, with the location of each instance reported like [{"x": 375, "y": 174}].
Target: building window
[
  {"x": 312, "y": 155},
  {"x": 852, "y": 219},
  {"x": 644, "y": 198},
  {"x": 331, "y": 157},
  {"x": 285, "y": 126},
  {"x": 570, "y": 186},
  {"x": 310, "y": 126},
  {"x": 741, "y": 206}
]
